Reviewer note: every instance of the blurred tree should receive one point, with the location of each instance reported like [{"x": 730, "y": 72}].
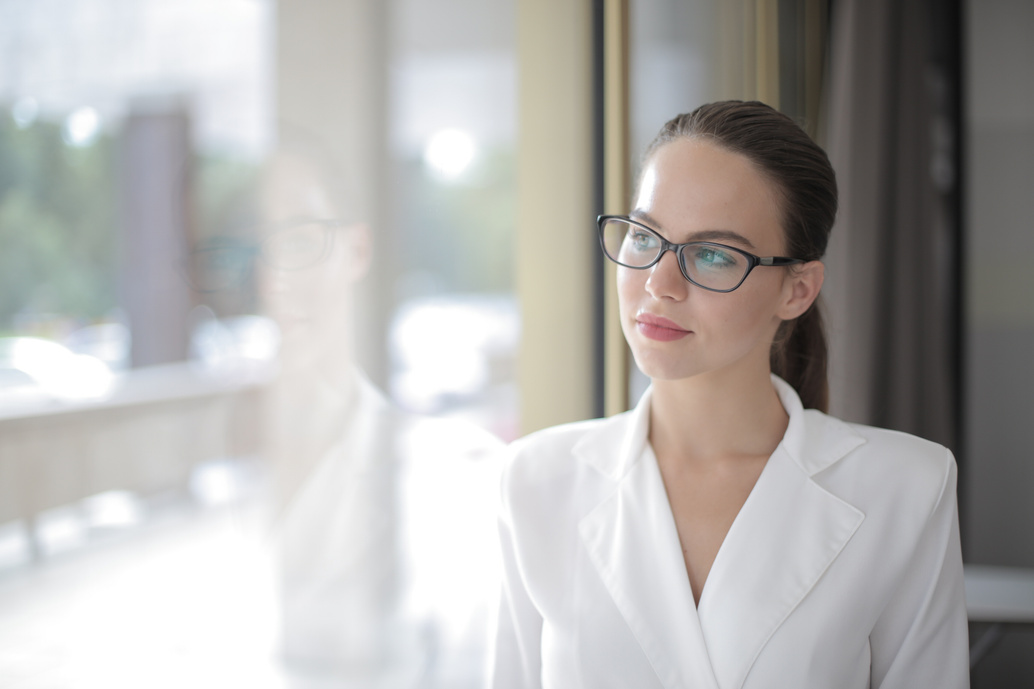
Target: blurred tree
[
  {"x": 58, "y": 246},
  {"x": 59, "y": 239},
  {"x": 459, "y": 235}
]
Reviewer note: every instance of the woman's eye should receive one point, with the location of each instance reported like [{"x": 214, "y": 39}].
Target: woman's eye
[
  {"x": 642, "y": 241},
  {"x": 714, "y": 258}
]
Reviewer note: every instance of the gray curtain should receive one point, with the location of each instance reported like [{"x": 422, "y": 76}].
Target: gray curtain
[{"x": 892, "y": 281}]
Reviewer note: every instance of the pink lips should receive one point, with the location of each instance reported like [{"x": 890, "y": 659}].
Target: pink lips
[{"x": 657, "y": 328}]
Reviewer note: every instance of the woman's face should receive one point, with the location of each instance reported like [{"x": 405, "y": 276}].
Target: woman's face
[
  {"x": 693, "y": 190},
  {"x": 312, "y": 304}
]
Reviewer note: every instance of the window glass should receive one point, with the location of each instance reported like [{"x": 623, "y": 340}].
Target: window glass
[{"x": 257, "y": 339}]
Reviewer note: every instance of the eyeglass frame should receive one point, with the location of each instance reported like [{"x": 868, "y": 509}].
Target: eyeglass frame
[
  {"x": 753, "y": 261},
  {"x": 252, "y": 251}
]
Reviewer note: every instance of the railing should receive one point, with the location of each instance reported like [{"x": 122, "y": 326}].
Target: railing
[{"x": 146, "y": 436}]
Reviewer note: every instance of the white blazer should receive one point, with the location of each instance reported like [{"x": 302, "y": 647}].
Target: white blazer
[{"x": 842, "y": 570}]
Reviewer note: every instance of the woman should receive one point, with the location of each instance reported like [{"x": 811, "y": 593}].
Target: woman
[{"x": 726, "y": 533}]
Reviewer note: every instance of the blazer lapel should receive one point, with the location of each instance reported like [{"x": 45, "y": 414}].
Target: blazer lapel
[
  {"x": 785, "y": 537},
  {"x": 632, "y": 542}
]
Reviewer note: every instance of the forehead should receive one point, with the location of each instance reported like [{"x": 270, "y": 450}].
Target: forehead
[
  {"x": 691, "y": 186},
  {"x": 293, "y": 186}
]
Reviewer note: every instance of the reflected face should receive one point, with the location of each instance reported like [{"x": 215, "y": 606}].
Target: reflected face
[
  {"x": 692, "y": 190},
  {"x": 305, "y": 277},
  {"x": 308, "y": 267}
]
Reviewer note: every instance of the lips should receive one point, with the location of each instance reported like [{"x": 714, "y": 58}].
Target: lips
[{"x": 659, "y": 328}]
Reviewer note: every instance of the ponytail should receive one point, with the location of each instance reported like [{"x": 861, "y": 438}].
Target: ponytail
[{"x": 799, "y": 356}]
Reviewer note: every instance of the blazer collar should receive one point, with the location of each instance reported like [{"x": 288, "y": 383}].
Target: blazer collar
[
  {"x": 814, "y": 441},
  {"x": 786, "y": 535},
  {"x": 615, "y": 447}
]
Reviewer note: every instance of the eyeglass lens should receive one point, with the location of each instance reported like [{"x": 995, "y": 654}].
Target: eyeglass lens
[
  {"x": 708, "y": 265},
  {"x": 299, "y": 246},
  {"x": 220, "y": 264},
  {"x": 224, "y": 262}
]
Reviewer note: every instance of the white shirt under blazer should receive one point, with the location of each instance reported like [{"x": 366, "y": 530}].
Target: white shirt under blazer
[{"x": 842, "y": 570}]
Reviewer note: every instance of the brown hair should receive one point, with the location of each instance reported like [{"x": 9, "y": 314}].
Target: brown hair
[{"x": 804, "y": 178}]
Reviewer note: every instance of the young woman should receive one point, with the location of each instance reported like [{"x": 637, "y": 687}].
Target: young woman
[{"x": 726, "y": 533}]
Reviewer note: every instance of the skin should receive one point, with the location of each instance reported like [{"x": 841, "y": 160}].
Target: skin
[
  {"x": 313, "y": 306},
  {"x": 314, "y": 309},
  {"x": 707, "y": 384}
]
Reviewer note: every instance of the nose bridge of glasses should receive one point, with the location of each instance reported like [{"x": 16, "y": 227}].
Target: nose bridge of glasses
[{"x": 676, "y": 259}]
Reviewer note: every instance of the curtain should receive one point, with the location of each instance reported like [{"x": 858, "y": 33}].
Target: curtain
[{"x": 892, "y": 267}]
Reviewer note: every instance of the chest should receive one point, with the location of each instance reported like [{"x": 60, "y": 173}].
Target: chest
[
  {"x": 606, "y": 570},
  {"x": 704, "y": 505}
]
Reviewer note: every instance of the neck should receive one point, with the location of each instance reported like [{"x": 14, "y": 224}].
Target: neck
[{"x": 715, "y": 417}]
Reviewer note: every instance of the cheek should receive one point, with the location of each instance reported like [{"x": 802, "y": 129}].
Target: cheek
[
  {"x": 330, "y": 279},
  {"x": 753, "y": 313},
  {"x": 316, "y": 292},
  {"x": 630, "y": 288},
  {"x": 631, "y": 285}
]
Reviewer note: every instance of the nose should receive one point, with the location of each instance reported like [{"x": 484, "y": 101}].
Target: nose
[{"x": 666, "y": 280}]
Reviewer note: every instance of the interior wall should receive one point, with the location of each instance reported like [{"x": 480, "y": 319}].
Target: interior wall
[
  {"x": 999, "y": 283},
  {"x": 998, "y": 478}
]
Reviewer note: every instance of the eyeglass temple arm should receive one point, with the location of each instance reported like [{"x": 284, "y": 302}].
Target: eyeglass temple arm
[{"x": 778, "y": 261}]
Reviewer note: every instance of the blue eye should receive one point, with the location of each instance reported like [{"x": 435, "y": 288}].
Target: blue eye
[
  {"x": 713, "y": 258},
  {"x": 642, "y": 241}
]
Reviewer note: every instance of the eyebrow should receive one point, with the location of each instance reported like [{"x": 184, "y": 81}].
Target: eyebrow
[{"x": 701, "y": 236}]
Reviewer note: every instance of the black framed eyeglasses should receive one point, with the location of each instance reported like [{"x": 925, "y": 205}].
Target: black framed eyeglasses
[
  {"x": 226, "y": 262},
  {"x": 712, "y": 266}
]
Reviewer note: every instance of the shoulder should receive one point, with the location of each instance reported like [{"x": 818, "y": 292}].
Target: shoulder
[
  {"x": 907, "y": 456},
  {"x": 562, "y": 462},
  {"x": 543, "y": 454},
  {"x": 891, "y": 470}
]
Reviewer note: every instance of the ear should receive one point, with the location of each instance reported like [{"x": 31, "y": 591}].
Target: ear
[{"x": 801, "y": 288}]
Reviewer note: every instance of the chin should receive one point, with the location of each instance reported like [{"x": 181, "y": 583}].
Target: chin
[
  {"x": 669, "y": 367},
  {"x": 669, "y": 375}
]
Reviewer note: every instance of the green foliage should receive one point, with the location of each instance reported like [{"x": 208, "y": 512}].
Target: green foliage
[
  {"x": 58, "y": 244},
  {"x": 224, "y": 191},
  {"x": 59, "y": 232},
  {"x": 222, "y": 185},
  {"x": 59, "y": 237},
  {"x": 460, "y": 235}
]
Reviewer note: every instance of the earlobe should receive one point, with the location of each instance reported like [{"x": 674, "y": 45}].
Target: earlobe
[{"x": 804, "y": 285}]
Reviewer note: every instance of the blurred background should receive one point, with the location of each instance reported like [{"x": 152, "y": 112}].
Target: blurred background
[{"x": 273, "y": 290}]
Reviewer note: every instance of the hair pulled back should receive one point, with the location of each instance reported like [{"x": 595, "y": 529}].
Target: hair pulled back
[{"x": 806, "y": 184}]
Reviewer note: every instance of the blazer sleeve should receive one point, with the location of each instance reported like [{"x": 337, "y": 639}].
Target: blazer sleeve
[
  {"x": 921, "y": 638},
  {"x": 516, "y": 652}
]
